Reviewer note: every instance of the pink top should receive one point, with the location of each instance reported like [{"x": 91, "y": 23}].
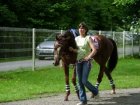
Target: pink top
[{"x": 95, "y": 41}]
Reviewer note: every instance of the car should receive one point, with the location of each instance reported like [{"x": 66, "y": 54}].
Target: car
[{"x": 45, "y": 49}]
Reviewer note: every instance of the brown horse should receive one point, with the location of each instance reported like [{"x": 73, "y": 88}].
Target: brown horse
[
  {"x": 106, "y": 54},
  {"x": 61, "y": 51}
]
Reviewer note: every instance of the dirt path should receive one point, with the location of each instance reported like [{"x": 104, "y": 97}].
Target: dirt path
[{"x": 123, "y": 97}]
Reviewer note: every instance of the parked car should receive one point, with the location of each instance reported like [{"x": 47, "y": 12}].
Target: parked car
[{"x": 46, "y": 48}]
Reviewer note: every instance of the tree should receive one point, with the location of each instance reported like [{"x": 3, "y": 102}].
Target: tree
[
  {"x": 6, "y": 16},
  {"x": 64, "y": 14},
  {"x": 132, "y": 11},
  {"x": 124, "y": 2}
]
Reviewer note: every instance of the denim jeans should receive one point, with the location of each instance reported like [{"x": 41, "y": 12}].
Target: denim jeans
[{"x": 83, "y": 70}]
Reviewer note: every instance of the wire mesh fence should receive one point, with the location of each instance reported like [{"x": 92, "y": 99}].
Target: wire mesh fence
[
  {"x": 17, "y": 42},
  {"x": 21, "y": 43}
]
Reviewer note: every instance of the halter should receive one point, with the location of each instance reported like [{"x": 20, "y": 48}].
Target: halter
[{"x": 74, "y": 32}]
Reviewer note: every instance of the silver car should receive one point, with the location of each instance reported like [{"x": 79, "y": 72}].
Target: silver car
[{"x": 46, "y": 48}]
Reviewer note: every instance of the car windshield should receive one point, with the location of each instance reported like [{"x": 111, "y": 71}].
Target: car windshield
[{"x": 50, "y": 38}]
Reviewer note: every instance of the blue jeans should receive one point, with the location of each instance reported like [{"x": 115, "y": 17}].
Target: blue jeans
[{"x": 83, "y": 70}]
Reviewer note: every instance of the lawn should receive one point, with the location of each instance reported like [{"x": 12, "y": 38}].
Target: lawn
[{"x": 25, "y": 83}]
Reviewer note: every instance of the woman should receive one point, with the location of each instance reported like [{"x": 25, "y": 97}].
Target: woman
[{"x": 85, "y": 52}]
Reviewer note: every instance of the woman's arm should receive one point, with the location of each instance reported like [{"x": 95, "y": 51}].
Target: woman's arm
[
  {"x": 73, "y": 50},
  {"x": 93, "y": 52}
]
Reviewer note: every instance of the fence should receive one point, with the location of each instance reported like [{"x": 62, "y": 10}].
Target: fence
[{"x": 20, "y": 43}]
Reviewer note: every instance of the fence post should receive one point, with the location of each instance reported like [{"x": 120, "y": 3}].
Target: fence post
[
  {"x": 113, "y": 35},
  {"x": 100, "y": 32},
  {"x": 132, "y": 45},
  {"x": 139, "y": 43},
  {"x": 123, "y": 44},
  {"x": 61, "y": 31},
  {"x": 33, "y": 49}
]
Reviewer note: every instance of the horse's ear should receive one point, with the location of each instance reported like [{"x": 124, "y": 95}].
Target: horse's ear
[{"x": 56, "y": 37}]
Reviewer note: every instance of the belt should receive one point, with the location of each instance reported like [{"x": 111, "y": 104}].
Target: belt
[{"x": 82, "y": 60}]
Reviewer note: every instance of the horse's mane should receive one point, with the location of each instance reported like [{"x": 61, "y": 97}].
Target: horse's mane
[
  {"x": 73, "y": 33},
  {"x": 67, "y": 39}
]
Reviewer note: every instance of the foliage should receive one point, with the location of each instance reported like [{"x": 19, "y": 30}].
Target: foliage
[
  {"x": 64, "y": 14},
  {"x": 124, "y": 2},
  {"x": 132, "y": 12},
  {"x": 7, "y": 16}
]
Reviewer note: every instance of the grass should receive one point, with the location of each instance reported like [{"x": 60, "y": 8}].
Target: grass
[{"x": 26, "y": 84}]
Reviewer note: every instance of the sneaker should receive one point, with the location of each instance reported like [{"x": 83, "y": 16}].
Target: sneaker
[{"x": 82, "y": 103}]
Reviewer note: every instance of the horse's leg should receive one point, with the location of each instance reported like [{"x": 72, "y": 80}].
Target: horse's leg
[
  {"x": 99, "y": 79},
  {"x": 100, "y": 76},
  {"x": 108, "y": 74},
  {"x": 66, "y": 71},
  {"x": 74, "y": 81}
]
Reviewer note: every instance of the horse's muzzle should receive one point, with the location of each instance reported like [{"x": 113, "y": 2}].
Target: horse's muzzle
[{"x": 55, "y": 63}]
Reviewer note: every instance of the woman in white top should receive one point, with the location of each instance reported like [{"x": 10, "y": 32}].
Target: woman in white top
[{"x": 85, "y": 52}]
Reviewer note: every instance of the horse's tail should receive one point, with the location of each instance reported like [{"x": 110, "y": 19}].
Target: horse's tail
[{"x": 112, "y": 62}]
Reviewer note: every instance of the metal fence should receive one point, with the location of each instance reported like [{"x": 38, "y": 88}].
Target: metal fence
[
  {"x": 21, "y": 42},
  {"x": 128, "y": 43}
]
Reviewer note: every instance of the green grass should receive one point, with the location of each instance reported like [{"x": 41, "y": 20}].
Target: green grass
[
  {"x": 125, "y": 75},
  {"x": 25, "y": 83}
]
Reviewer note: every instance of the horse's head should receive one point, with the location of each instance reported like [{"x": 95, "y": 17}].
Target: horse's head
[
  {"x": 61, "y": 47},
  {"x": 57, "y": 55}
]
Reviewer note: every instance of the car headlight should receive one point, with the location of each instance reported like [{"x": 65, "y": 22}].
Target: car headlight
[{"x": 38, "y": 47}]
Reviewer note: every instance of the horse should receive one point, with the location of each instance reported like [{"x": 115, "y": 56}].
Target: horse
[
  {"x": 61, "y": 52},
  {"x": 106, "y": 56}
]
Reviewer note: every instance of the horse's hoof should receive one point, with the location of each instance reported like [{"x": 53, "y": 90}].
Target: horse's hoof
[
  {"x": 91, "y": 96},
  {"x": 113, "y": 92},
  {"x": 66, "y": 99},
  {"x": 67, "y": 95}
]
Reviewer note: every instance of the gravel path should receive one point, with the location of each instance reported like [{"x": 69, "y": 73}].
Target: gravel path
[
  {"x": 9, "y": 66},
  {"x": 123, "y": 97}
]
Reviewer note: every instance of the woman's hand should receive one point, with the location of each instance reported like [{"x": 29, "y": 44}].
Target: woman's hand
[
  {"x": 87, "y": 58},
  {"x": 72, "y": 49}
]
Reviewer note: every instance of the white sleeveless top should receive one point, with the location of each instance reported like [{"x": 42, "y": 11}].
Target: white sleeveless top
[{"x": 83, "y": 46}]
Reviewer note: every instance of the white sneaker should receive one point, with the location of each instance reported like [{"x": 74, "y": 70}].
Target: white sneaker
[{"x": 81, "y": 103}]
